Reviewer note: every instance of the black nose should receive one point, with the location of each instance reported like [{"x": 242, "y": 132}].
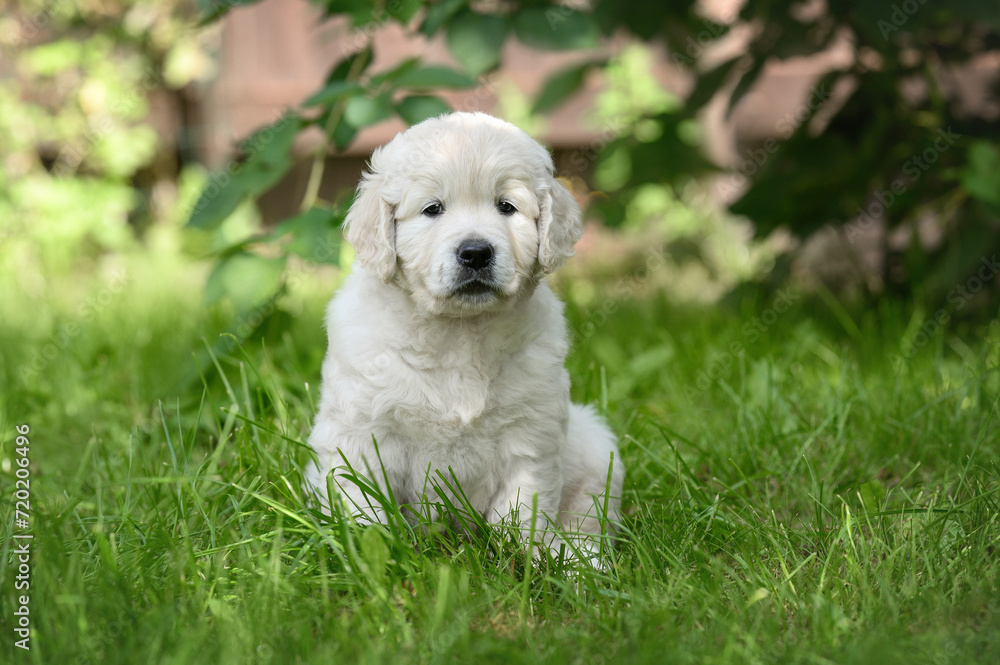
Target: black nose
[{"x": 475, "y": 254}]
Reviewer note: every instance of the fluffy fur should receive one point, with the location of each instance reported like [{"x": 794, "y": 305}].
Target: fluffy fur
[{"x": 446, "y": 348}]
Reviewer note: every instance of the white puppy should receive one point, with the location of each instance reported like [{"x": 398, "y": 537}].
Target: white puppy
[{"x": 447, "y": 349}]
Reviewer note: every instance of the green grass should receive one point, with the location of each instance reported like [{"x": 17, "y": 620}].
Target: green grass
[{"x": 793, "y": 497}]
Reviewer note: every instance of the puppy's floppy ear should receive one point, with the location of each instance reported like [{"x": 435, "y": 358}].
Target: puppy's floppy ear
[
  {"x": 372, "y": 230},
  {"x": 560, "y": 225}
]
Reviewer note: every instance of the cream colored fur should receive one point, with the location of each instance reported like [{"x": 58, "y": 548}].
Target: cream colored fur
[{"x": 469, "y": 384}]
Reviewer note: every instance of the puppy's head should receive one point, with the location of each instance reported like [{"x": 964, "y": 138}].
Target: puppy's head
[{"x": 463, "y": 213}]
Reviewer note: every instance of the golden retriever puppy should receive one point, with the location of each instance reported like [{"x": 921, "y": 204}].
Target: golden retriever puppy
[{"x": 447, "y": 349}]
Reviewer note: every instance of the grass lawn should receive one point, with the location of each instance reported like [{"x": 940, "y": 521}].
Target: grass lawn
[{"x": 796, "y": 493}]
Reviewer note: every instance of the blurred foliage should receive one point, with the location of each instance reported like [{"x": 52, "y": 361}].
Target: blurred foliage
[
  {"x": 701, "y": 252},
  {"x": 844, "y": 161},
  {"x": 885, "y": 136},
  {"x": 898, "y": 146},
  {"x": 79, "y": 154}
]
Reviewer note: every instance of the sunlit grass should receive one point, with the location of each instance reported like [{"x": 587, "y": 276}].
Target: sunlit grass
[{"x": 792, "y": 496}]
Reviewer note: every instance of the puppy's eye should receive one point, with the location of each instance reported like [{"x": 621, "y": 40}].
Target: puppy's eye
[
  {"x": 433, "y": 210},
  {"x": 506, "y": 208}
]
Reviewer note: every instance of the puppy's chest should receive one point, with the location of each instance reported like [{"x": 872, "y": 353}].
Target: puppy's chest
[{"x": 457, "y": 397}]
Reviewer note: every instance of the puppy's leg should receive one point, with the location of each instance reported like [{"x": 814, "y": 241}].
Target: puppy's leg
[
  {"x": 586, "y": 494},
  {"x": 340, "y": 472},
  {"x": 530, "y": 494}
]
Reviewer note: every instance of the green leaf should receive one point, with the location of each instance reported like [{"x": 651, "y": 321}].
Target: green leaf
[
  {"x": 434, "y": 77},
  {"x": 560, "y": 87},
  {"x": 981, "y": 175},
  {"x": 668, "y": 157},
  {"x": 404, "y": 10},
  {"x": 792, "y": 186},
  {"x": 364, "y": 111},
  {"x": 334, "y": 92},
  {"x": 872, "y": 496},
  {"x": 343, "y": 133},
  {"x": 555, "y": 28},
  {"x": 418, "y": 108},
  {"x": 55, "y": 57},
  {"x": 344, "y": 67},
  {"x": 304, "y": 220},
  {"x": 315, "y": 235},
  {"x": 440, "y": 13},
  {"x": 212, "y": 10},
  {"x": 217, "y": 201},
  {"x": 475, "y": 40},
  {"x": 268, "y": 158},
  {"x": 707, "y": 84},
  {"x": 362, "y": 12},
  {"x": 269, "y": 153},
  {"x": 246, "y": 279},
  {"x": 746, "y": 82},
  {"x": 391, "y": 75}
]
